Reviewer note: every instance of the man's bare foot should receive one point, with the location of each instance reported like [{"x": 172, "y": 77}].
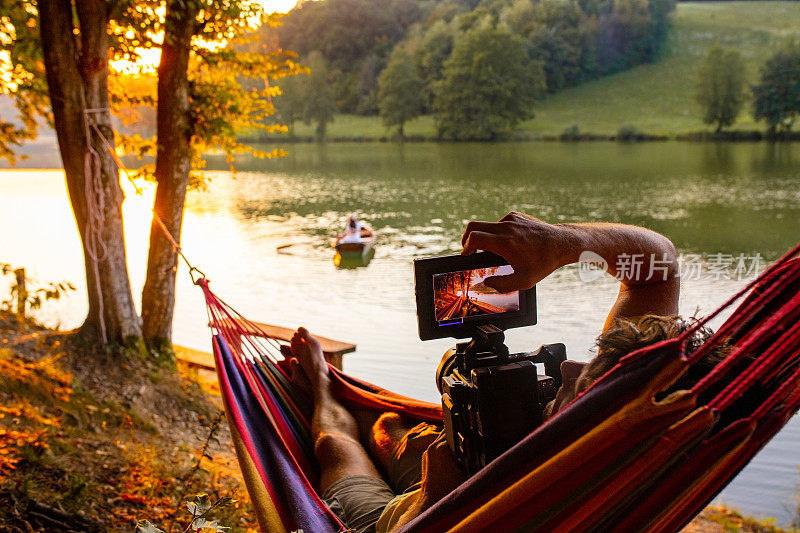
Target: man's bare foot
[
  {"x": 299, "y": 377},
  {"x": 308, "y": 352}
]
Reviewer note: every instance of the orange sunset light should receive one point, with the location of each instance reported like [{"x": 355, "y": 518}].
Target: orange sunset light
[{"x": 148, "y": 58}]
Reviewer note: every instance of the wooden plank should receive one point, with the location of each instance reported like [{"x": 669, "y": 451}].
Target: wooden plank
[
  {"x": 333, "y": 350},
  {"x": 329, "y": 346},
  {"x": 194, "y": 357}
]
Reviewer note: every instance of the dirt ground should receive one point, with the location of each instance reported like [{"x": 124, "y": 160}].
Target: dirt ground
[{"x": 94, "y": 442}]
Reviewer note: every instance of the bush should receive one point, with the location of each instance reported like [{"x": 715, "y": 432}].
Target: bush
[
  {"x": 571, "y": 133},
  {"x": 629, "y": 133}
]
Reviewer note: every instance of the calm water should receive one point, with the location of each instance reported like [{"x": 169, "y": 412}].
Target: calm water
[{"x": 262, "y": 238}]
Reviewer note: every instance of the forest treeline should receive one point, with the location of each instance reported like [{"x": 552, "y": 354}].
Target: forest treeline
[{"x": 560, "y": 43}]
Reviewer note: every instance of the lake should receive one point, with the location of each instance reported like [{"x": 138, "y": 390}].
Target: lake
[{"x": 263, "y": 239}]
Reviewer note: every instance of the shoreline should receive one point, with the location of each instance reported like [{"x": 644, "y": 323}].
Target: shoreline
[
  {"x": 734, "y": 136},
  {"x": 43, "y": 158}
]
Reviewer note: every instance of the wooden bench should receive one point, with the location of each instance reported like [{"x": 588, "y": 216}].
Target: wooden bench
[{"x": 333, "y": 350}]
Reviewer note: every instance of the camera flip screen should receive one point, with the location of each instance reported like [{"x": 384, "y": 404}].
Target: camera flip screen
[
  {"x": 462, "y": 296},
  {"x": 453, "y": 300}
]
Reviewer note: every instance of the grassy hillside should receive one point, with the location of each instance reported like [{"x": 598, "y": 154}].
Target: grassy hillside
[
  {"x": 658, "y": 98},
  {"x": 655, "y": 98}
]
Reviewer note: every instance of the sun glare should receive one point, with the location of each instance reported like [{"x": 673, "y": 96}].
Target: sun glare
[
  {"x": 278, "y": 6},
  {"x": 5, "y": 71},
  {"x": 147, "y": 63}
]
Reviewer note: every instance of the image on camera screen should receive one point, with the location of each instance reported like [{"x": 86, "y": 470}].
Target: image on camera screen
[{"x": 462, "y": 295}]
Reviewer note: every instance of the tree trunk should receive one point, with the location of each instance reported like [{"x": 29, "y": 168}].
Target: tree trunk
[
  {"x": 173, "y": 166},
  {"x": 77, "y": 78}
]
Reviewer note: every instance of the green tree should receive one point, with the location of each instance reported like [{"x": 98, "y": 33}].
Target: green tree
[
  {"x": 58, "y": 53},
  {"x": 291, "y": 102},
  {"x": 559, "y": 40},
  {"x": 490, "y": 84},
  {"x": 776, "y": 98},
  {"x": 433, "y": 50},
  {"x": 400, "y": 91},
  {"x": 347, "y": 33},
  {"x": 320, "y": 103},
  {"x": 720, "y": 89}
]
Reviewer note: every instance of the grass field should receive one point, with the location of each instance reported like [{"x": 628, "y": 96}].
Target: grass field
[
  {"x": 655, "y": 98},
  {"x": 658, "y": 98}
]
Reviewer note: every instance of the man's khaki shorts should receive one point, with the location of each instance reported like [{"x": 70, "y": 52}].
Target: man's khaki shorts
[{"x": 358, "y": 501}]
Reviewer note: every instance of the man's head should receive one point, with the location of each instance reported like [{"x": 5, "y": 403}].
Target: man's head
[{"x": 624, "y": 337}]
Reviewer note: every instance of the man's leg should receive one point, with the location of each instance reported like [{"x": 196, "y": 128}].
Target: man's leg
[
  {"x": 397, "y": 445},
  {"x": 334, "y": 431},
  {"x": 349, "y": 483}
]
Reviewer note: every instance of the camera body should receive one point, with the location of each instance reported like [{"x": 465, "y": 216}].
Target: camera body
[{"x": 491, "y": 400}]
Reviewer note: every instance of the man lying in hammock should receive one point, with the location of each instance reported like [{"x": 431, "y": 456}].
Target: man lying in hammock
[{"x": 419, "y": 466}]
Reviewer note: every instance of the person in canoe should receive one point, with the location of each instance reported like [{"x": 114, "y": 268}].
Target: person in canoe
[
  {"x": 356, "y": 240},
  {"x": 354, "y": 231}
]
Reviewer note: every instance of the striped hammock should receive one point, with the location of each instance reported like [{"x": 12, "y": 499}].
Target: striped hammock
[{"x": 621, "y": 457}]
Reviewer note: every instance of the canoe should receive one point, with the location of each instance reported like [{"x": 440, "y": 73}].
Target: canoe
[{"x": 355, "y": 248}]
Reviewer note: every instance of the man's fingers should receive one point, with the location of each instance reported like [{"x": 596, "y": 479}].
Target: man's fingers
[
  {"x": 477, "y": 225},
  {"x": 479, "y": 240},
  {"x": 516, "y": 215},
  {"x": 507, "y": 283}
]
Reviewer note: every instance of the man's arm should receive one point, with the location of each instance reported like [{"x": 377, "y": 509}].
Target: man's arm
[{"x": 642, "y": 260}]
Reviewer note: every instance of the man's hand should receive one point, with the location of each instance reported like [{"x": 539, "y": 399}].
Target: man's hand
[{"x": 533, "y": 248}]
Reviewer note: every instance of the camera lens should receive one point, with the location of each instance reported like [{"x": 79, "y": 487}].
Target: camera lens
[{"x": 446, "y": 367}]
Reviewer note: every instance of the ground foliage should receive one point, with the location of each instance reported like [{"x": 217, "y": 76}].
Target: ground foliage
[
  {"x": 723, "y": 519},
  {"x": 101, "y": 450}
]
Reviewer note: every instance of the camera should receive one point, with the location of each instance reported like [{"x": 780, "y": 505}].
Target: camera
[{"x": 491, "y": 399}]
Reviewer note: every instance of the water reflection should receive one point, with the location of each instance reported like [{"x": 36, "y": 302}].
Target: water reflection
[
  {"x": 725, "y": 197},
  {"x": 349, "y": 260}
]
